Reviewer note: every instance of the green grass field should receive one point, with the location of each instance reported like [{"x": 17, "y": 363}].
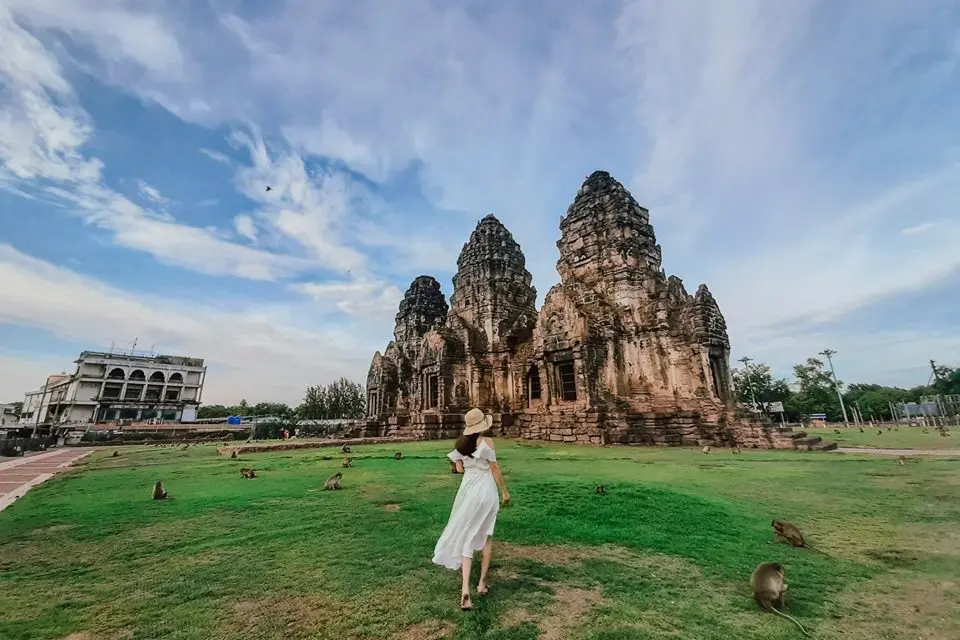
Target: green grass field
[
  {"x": 666, "y": 554},
  {"x": 892, "y": 437}
]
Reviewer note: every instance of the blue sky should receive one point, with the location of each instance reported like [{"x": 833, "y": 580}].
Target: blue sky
[{"x": 802, "y": 158}]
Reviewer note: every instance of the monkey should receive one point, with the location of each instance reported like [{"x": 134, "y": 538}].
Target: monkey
[
  {"x": 836, "y": 431},
  {"x": 601, "y": 490},
  {"x": 397, "y": 455},
  {"x": 159, "y": 493},
  {"x": 788, "y": 532},
  {"x": 706, "y": 449},
  {"x": 769, "y": 585},
  {"x": 901, "y": 461},
  {"x": 925, "y": 430},
  {"x": 344, "y": 449},
  {"x": 233, "y": 454},
  {"x": 347, "y": 462},
  {"x": 861, "y": 429},
  {"x": 333, "y": 482},
  {"x": 736, "y": 449},
  {"x": 879, "y": 432},
  {"x": 248, "y": 473},
  {"x": 115, "y": 454}
]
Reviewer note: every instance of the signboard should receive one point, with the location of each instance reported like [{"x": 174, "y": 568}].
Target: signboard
[
  {"x": 774, "y": 407},
  {"x": 233, "y": 420}
]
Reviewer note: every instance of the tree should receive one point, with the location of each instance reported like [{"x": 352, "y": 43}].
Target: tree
[
  {"x": 755, "y": 383},
  {"x": 816, "y": 393},
  {"x": 341, "y": 399}
]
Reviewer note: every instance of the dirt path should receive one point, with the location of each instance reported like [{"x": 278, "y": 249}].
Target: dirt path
[
  {"x": 18, "y": 475},
  {"x": 945, "y": 453}
]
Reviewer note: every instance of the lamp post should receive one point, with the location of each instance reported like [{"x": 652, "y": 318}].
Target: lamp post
[
  {"x": 746, "y": 371},
  {"x": 836, "y": 385}
]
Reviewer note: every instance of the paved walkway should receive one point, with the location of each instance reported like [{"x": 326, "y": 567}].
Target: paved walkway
[
  {"x": 945, "y": 453},
  {"x": 18, "y": 475}
]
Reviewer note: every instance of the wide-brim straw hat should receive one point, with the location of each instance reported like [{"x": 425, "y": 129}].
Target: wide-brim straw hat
[{"x": 476, "y": 422}]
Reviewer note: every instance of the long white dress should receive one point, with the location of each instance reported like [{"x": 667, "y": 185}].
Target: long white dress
[{"x": 474, "y": 512}]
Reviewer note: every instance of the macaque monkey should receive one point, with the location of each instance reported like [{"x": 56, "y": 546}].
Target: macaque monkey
[
  {"x": 706, "y": 449},
  {"x": 736, "y": 448},
  {"x": 248, "y": 473},
  {"x": 333, "y": 482},
  {"x": 233, "y": 454},
  {"x": 347, "y": 462},
  {"x": 769, "y": 585},
  {"x": 344, "y": 449},
  {"x": 901, "y": 461},
  {"x": 601, "y": 490},
  {"x": 159, "y": 493},
  {"x": 397, "y": 455},
  {"x": 788, "y": 532},
  {"x": 115, "y": 454}
]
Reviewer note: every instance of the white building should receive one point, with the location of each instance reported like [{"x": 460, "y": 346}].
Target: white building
[
  {"x": 9, "y": 415},
  {"x": 116, "y": 386}
]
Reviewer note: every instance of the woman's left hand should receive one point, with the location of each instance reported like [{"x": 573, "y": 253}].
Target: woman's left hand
[{"x": 506, "y": 498}]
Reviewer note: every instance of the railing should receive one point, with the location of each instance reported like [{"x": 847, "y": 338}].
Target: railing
[{"x": 18, "y": 446}]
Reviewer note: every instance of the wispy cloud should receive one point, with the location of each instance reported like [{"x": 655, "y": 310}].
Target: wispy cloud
[
  {"x": 152, "y": 193},
  {"x": 923, "y": 227},
  {"x": 216, "y": 156}
]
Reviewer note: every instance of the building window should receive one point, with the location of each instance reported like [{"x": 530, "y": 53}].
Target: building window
[
  {"x": 433, "y": 391},
  {"x": 116, "y": 374},
  {"x": 153, "y": 392},
  {"x": 176, "y": 378},
  {"x": 172, "y": 395},
  {"x": 112, "y": 391},
  {"x": 138, "y": 375},
  {"x": 156, "y": 376},
  {"x": 133, "y": 392},
  {"x": 533, "y": 384},
  {"x": 568, "y": 381},
  {"x": 372, "y": 403}
]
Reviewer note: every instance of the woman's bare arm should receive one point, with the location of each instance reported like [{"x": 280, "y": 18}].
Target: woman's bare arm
[
  {"x": 498, "y": 476},
  {"x": 459, "y": 464}
]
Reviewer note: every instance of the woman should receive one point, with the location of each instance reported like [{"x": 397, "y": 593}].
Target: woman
[{"x": 475, "y": 508}]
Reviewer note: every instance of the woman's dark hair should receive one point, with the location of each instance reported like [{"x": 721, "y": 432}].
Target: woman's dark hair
[{"x": 466, "y": 445}]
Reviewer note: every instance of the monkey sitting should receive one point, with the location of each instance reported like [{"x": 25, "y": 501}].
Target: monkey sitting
[
  {"x": 333, "y": 482},
  {"x": 347, "y": 462},
  {"x": 901, "y": 461},
  {"x": 116, "y": 453},
  {"x": 787, "y": 532},
  {"x": 836, "y": 431},
  {"x": 601, "y": 490},
  {"x": 344, "y": 449},
  {"x": 706, "y": 449},
  {"x": 397, "y": 455},
  {"x": 233, "y": 455},
  {"x": 159, "y": 493},
  {"x": 248, "y": 473},
  {"x": 736, "y": 449},
  {"x": 769, "y": 584},
  {"x": 879, "y": 432}
]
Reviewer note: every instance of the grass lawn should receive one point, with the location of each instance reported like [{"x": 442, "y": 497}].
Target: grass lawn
[
  {"x": 667, "y": 553},
  {"x": 893, "y": 437}
]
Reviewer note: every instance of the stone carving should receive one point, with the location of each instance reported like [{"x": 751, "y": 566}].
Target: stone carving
[{"x": 618, "y": 353}]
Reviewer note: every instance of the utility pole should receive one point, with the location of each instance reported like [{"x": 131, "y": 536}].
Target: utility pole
[
  {"x": 836, "y": 385},
  {"x": 746, "y": 370}
]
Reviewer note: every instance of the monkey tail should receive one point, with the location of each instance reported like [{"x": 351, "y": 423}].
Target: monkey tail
[
  {"x": 790, "y": 618},
  {"x": 806, "y": 546}
]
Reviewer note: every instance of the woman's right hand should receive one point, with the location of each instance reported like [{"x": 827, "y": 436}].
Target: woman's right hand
[{"x": 506, "y": 498}]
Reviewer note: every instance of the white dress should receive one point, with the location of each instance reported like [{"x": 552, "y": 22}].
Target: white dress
[{"x": 474, "y": 512}]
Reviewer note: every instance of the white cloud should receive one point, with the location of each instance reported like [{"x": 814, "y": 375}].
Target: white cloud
[
  {"x": 259, "y": 352},
  {"x": 245, "y": 227},
  {"x": 918, "y": 229},
  {"x": 374, "y": 300},
  {"x": 216, "y": 156},
  {"x": 152, "y": 193}
]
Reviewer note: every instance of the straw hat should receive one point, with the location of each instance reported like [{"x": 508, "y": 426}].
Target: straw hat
[{"x": 476, "y": 422}]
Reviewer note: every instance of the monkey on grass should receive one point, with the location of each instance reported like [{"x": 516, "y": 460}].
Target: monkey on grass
[
  {"x": 397, "y": 455},
  {"x": 901, "y": 461},
  {"x": 333, "y": 482},
  {"x": 344, "y": 449},
  {"x": 706, "y": 449},
  {"x": 347, "y": 462},
  {"x": 601, "y": 490},
  {"x": 769, "y": 585},
  {"x": 159, "y": 493},
  {"x": 248, "y": 473},
  {"x": 233, "y": 455},
  {"x": 736, "y": 449},
  {"x": 787, "y": 532},
  {"x": 115, "y": 454}
]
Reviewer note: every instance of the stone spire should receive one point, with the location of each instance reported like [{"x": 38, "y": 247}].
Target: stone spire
[
  {"x": 423, "y": 308},
  {"x": 492, "y": 288},
  {"x": 606, "y": 235}
]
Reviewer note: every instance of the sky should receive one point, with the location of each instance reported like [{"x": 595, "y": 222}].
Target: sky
[{"x": 800, "y": 157}]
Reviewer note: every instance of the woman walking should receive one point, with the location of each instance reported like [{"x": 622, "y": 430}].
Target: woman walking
[{"x": 475, "y": 508}]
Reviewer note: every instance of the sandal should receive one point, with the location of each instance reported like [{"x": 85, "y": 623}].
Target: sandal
[{"x": 465, "y": 604}]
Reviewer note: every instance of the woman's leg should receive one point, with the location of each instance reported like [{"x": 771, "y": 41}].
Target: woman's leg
[
  {"x": 485, "y": 565},
  {"x": 465, "y": 586}
]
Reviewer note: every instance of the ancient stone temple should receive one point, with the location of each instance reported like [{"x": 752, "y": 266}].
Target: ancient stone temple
[{"x": 618, "y": 353}]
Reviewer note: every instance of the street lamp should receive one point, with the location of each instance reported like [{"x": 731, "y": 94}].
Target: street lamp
[
  {"x": 836, "y": 385},
  {"x": 746, "y": 372}
]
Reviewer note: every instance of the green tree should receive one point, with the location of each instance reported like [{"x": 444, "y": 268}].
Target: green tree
[
  {"x": 341, "y": 399},
  {"x": 816, "y": 392},
  {"x": 755, "y": 383}
]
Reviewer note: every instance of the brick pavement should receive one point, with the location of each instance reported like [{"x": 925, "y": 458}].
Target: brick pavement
[{"x": 18, "y": 475}]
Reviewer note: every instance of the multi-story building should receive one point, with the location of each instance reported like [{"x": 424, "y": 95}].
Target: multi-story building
[
  {"x": 9, "y": 415},
  {"x": 119, "y": 386}
]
